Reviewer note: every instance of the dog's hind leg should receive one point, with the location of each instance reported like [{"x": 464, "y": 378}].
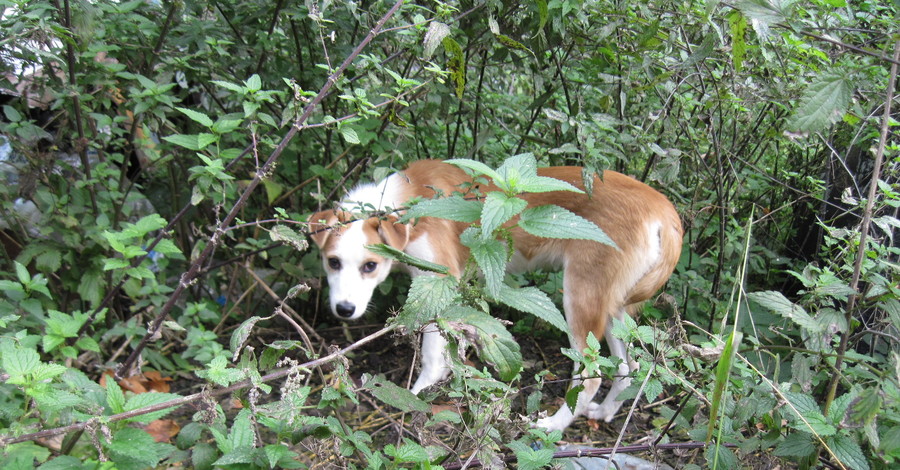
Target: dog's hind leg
[{"x": 606, "y": 410}]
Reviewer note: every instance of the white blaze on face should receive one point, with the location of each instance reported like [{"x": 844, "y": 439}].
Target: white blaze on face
[{"x": 353, "y": 271}]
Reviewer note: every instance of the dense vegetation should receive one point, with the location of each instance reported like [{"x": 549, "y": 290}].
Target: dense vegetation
[{"x": 160, "y": 306}]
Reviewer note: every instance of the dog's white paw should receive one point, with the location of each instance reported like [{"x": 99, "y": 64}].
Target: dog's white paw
[{"x": 603, "y": 412}]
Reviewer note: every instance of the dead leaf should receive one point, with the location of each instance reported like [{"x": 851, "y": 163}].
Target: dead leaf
[{"x": 162, "y": 430}]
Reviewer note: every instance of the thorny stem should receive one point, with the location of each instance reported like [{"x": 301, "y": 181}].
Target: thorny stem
[{"x": 191, "y": 275}]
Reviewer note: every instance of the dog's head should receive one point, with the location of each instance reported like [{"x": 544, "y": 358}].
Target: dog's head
[{"x": 353, "y": 271}]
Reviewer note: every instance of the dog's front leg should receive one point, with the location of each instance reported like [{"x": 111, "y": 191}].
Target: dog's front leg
[{"x": 434, "y": 360}]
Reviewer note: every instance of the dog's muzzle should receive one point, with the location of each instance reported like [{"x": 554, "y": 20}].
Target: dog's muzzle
[{"x": 344, "y": 309}]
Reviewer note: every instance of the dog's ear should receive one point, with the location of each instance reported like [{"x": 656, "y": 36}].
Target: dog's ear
[
  {"x": 394, "y": 233},
  {"x": 318, "y": 226}
]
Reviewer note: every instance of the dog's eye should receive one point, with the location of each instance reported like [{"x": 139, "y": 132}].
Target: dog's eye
[
  {"x": 369, "y": 267},
  {"x": 334, "y": 263}
]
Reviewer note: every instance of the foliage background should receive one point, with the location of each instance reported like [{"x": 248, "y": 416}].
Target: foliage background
[{"x": 137, "y": 235}]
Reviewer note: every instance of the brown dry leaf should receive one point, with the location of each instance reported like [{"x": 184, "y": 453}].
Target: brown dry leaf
[
  {"x": 437, "y": 408},
  {"x": 133, "y": 384},
  {"x": 156, "y": 382},
  {"x": 593, "y": 424},
  {"x": 162, "y": 430}
]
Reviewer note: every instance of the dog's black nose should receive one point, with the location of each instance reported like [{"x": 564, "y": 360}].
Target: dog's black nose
[{"x": 344, "y": 309}]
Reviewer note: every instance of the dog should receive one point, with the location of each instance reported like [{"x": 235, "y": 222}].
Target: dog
[{"x": 600, "y": 282}]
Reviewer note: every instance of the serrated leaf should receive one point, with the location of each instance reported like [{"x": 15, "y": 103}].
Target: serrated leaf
[
  {"x": 241, "y": 434},
  {"x": 48, "y": 260},
  {"x": 427, "y": 299},
  {"x": 90, "y": 287},
  {"x": 495, "y": 345},
  {"x": 254, "y": 83},
  {"x": 241, "y": 334},
  {"x": 823, "y": 103},
  {"x": 396, "y": 396},
  {"x": 531, "y": 459},
  {"x": 20, "y": 361},
  {"x": 848, "y": 452},
  {"x": 719, "y": 456},
  {"x": 532, "y": 300},
  {"x": 454, "y": 208},
  {"x": 498, "y": 209},
  {"x": 812, "y": 418},
  {"x": 545, "y": 184},
  {"x": 768, "y": 12},
  {"x": 45, "y": 371},
  {"x": 796, "y": 444},
  {"x": 777, "y": 303},
  {"x": 22, "y": 273},
  {"x": 556, "y": 222},
  {"x": 132, "y": 448},
  {"x": 229, "y": 86},
  {"x": 408, "y": 452},
  {"x": 390, "y": 252},
  {"x": 490, "y": 256},
  {"x": 196, "y": 116},
  {"x": 435, "y": 35},
  {"x": 477, "y": 167},
  {"x": 283, "y": 233},
  {"x": 115, "y": 398},
  {"x": 653, "y": 390},
  {"x": 188, "y": 141},
  {"x": 349, "y": 134},
  {"x": 143, "y": 400}
]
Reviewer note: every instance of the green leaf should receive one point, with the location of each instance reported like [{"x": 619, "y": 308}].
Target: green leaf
[
  {"x": 196, "y": 116},
  {"x": 532, "y": 300},
  {"x": 349, "y": 134},
  {"x": 435, "y": 35},
  {"x": 115, "y": 398},
  {"x": 490, "y": 255},
  {"x": 477, "y": 167},
  {"x": 390, "y": 252},
  {"x": 545, "y": 184},
  {"x": 777, "y": 303},
  {"x": 812, "y": 418},
  {"x": 188, "y": 141},
  {"x": 48, "y": 261},
  {"x": 456, "y": 63},
  {"x": 408, "y": 452},
  {"x": 768, "y": 12},
  {"x": 90, "y": 288},
  {"x": 134, "y": 449},
  {"x": 427, "y": 299},
  {"x": 555, "y": 222},
  {"x": 848, "y": 452},
  {"x": 242, "y": 434},
  {"x": 495, "y": 345},
  {"x": 454, "y": 208},
  {"x": 738, "y": 24},
  {"x": 393, "y": 395},
  {"x": 18, "y": 361},
  {"x": 22, "y": 273},
  {"x": 218, "y": 372},
  {"x": 719, "y": 456},
  {"x": 723, "y": 371},
  {"x": 796, "y": 444},
  {"x": 254, "y": 83},
  {"x": 230, "y": 86},
  {"x": 143, "y": 400},
  {"x": 531, "y": 459},
  {"x": 241, "y": 334},
  {"x": 46, "y": 371},
  {"x": 498, "y": 209},
  {"x": 823, "y": 103}
]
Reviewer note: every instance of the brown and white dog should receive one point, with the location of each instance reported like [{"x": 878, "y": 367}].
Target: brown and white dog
[{"x": 599, "y": 282}]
